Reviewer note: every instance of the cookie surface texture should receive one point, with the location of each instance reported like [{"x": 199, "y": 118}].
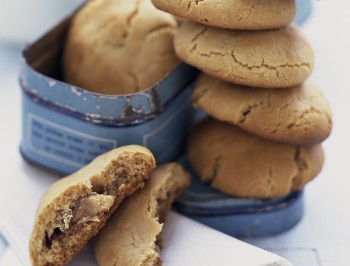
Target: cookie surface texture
[
  {"x": 299, "y": 115},
  {"x": 76, "y": 207},
  {"x": 119, "y": 46},
  {"x": 241, "y": 164},
  {"x": 233, "y": 14},
  {"x": 132, "y": 235},
  {"x": 264, "y": 59}
]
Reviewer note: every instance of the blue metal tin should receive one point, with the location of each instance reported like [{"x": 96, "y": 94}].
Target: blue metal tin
[
  {"x": 64, "y": 127},
  {"x": 238, "y": 217},
  {"x": 304, "y": 8}
]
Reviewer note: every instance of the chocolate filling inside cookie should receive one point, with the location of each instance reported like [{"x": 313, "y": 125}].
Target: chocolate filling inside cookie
[
  {"x": 90, "y": 208},
  {"x": 76, "y": 207},
  {"x": 86, "y": 209},
  {"x": 55, "y": 235}
]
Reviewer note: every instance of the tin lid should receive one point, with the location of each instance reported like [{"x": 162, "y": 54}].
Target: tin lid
[{"x": 202, "y": 200}]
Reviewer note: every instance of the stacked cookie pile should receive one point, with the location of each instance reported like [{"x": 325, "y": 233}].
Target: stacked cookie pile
[{"x": 267, "y": 121}]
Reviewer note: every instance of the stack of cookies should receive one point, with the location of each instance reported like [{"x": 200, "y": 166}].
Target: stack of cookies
[{"x": 266, "y": 120}]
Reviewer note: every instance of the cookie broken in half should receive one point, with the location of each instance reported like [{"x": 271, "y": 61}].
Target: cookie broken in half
[{"x": 76, "y": 207}]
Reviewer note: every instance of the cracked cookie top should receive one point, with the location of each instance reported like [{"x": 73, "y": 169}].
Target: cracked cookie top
[
  {"x": 266, "y": 59},
  {"x": 233, "y": 14},
  {"x": 299, "y": 115},
  {"x": 241, "y": 164},
  {"x": 119, "y": 46}
]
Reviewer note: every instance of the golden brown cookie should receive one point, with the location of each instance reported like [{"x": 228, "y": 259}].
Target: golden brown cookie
[
  {"x": 265, "y": 59},
  {"x": 119, "y": 46},
  {"x": 241, "y": 164},
  {"x": 299, "y": 115},
  {"x": 132, "y": 235},
  {"x": 233, "y": 14},
  {"x": 75, "y": 208}
]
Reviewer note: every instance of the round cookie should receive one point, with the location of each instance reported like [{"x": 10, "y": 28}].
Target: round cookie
[
  {"x": 265, "y": 59},
  {"x": 119, "y": 46},
  {"x": 299, "y": 115},
  {"x": 233, "y": 14},
  {"x": 241, "y": 164}
]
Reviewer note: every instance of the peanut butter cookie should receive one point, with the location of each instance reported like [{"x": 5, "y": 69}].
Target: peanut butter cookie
[
  {"x": 119, "y": 46},
  {"x": 132, "y": 235},
  {"x": 233, "y": 14},
  {"x": 299, "y": 115},
  {"x": 244, "y": 165},
  {"x": 75, "y": 208},
  {"x": 265, "y": 59}
]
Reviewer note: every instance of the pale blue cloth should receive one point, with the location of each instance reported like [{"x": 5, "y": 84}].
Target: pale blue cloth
[{"x": 3, "y": 246}]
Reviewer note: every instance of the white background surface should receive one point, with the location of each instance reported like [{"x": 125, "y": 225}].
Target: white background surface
[
  {"x": 23, "y": 20},
  {"x": 323, "y": 235}
]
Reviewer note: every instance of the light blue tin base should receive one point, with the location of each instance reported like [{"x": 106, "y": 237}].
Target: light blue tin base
[{"x": 238, "y": 217}]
